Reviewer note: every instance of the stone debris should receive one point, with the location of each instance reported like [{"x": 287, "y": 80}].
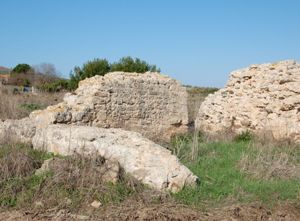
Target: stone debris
[
  {"x": 262, "y": 99},
  {"x": 141, "y": 158},
  {"x": 96, "y": 204}
]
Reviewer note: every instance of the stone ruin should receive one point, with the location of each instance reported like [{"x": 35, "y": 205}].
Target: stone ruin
[
  {"x": 151, "y": 104},
  {"x": 263, "y": 99},
  {"x": 138, "y": 156}
]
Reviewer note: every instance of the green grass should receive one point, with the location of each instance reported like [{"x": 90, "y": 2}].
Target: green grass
[
  {"x": 217, "y": 164},
  {"x": 31, "y": 107},
  {"x": 222, "y": 179}
]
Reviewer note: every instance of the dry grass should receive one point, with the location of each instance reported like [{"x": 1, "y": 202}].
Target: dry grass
[
  {"x": 17, "y": 164},
  {"x": 267, "y": 162},
  {"x": 71, "y": 183},
  {"x": 78, "y": 181},
  {"x": 17, "y": 106}
]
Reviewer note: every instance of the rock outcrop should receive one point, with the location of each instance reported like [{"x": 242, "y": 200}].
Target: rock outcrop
[
  {"x": 261, "y": 99},
  {"x": 150, "y": 103},
  {"x": 138, "y": 156},
  {"x": 17, "y": 130}
]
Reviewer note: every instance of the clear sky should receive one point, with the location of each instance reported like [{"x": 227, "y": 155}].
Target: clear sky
[{"x": 195, "y": 41}]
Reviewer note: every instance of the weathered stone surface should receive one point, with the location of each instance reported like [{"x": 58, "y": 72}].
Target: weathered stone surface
[
  {"x": 17, "y": 130},
  {"x": 261, "y": 98},
  {"x": 138, "y": 156},
  {"x": 150, "y": 103}
]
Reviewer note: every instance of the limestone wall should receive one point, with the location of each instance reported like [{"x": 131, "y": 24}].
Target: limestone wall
[
  {"x": 150, "y": 103},
  {"x": 260, "y": 98}
]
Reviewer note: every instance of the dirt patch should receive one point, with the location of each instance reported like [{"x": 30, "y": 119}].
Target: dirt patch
[{"x": 157, "y": 208}]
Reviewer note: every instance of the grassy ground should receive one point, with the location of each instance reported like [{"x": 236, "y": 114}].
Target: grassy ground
[
  {"x": 16, "y": 106},
  {"x": 75, "y": 181},
  {"x": 240, "y": 172}
]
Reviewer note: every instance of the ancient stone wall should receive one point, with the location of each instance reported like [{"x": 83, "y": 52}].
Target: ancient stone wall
[
  {"x": 150, "y": 103},
  {"x": 260, "y": 98}
]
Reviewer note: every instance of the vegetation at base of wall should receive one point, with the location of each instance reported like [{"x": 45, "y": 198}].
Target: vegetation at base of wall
[
  {"x": 245, "y": 136},
  {"x": 230, "y": 172},
  {"x": 75, "y": 182},
  {"x": 241, "y": 171}
]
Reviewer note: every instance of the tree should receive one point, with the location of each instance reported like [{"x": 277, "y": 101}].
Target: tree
[
  {"x": 95, "y": 67},
  {"x": 22, "y": 68},
  {"x": 21, "y": 75},
  {"x": 89, "y": 69},
  {"x": 128, "y": 64}
]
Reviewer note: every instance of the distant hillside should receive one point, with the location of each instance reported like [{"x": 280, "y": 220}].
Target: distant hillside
[{"x": 4, "y": 70}]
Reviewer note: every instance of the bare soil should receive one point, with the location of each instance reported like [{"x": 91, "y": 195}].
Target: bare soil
[{"x": 136, "y": 210}]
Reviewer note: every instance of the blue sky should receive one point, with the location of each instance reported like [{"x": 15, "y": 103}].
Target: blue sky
[{"x": 197, "y": 42}]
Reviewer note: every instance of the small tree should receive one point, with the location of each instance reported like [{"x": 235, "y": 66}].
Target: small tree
[
  {"x": 128, "y": 64},
  {"x": 22, "y": 68},
  {"x": 95, "y": 67},
  {"x": 21, "y": 75},
  {"x": 89, "y": 69}
]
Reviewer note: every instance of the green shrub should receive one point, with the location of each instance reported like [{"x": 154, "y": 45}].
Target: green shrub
[
  {"x": 244, "y": 137},
  {"x": 22, "y": 68},
  {"x": 56, "y": 86},
  {"x": 128, "y": 64},
  {"x": 31, "y": 107}
]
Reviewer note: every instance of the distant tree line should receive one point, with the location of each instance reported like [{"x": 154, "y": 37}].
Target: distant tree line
[{"x": 46, "y": 78}]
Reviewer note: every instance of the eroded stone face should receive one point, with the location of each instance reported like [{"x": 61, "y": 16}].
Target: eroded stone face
[
  {"x": 148, "y": 162},
  {"x": 17, "y": 130},
  {"x": 150, "y": 103},
  {"x": 260, "y": 98}
]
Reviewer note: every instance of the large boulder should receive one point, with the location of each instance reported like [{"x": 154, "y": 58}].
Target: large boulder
[
  {"x": 138, "y": 156},
  {"x": 263, "y": 99},
  {"x": 152, "y": 104},
  {"x": 17, "y": 130}
]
